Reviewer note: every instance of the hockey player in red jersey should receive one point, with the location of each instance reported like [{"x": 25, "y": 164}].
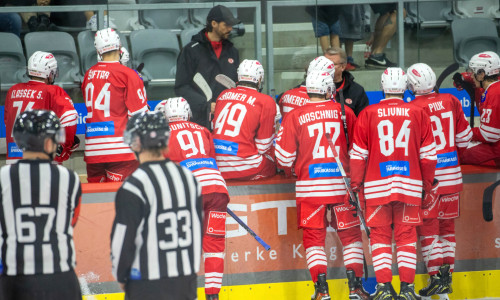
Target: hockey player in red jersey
[
  {"x": 41, "y": 93},
  {"x": 297, "y": 96},
  {"x": 244, "y": 127},
  {"x": 112, "y": 94},
  {"x": 191, "y": 145},
  {"x": 485, "y": 68},
  {"x": 451, "y": 131},
  {"x": 393, "y": 158},
  {"x": 302, "y": 145}
]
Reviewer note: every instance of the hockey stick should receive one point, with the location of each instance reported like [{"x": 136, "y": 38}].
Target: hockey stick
[
  {"x": 225, "y": 81},
  {"x": 140, "y": 67},
  {"x": 488, "y": 201},
  {"x": 446, "y": 72},
  {"x": 342, "y": 108},
  {"x": 203, "y": 85},
  {"x": 354, "y": 199},
  {"x": 256, "y": 237}
]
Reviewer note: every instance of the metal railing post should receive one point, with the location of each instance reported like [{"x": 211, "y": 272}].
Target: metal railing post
[
  {"x": 401, "y": 34},
  {"x": 269, "y": 46}
]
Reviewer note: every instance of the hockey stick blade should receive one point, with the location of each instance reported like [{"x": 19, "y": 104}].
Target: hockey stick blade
[
  {"x": 488, "y": 201},
  {"x": 140, "y": 67},
  {"x": 252, "y": 233},
  {"x": 354, "y": 200},
  {"x": 203, "y": 85},
  {"x": 446, "y": 72},
  {"x": 225, "y": 81}
]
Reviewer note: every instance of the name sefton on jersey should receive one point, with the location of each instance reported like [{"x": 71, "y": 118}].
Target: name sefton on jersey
[
  {"x": 451, "y": 131},
  {"x": 112, "y": 93},
  {"x": 302, "y": 142},
  {"x": 37, "y": 95},
  {"x": 244, "y": 131},
  {"x": 293, "y": 98},
  {"x": 393, "y": 154},
  {"x": 191, "y": 145}
]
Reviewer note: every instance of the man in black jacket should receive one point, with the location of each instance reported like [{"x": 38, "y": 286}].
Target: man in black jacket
[
  {"x": 353, "y": 94},
  {"x": 209, "y": 53}
]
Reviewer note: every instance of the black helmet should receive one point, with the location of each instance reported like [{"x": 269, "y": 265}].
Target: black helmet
[
  {"x": 32, "y": 127},
  {"x": 151, "y": 128}
]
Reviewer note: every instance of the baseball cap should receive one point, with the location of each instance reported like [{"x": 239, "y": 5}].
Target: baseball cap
[{"x": 221, "y": 13}]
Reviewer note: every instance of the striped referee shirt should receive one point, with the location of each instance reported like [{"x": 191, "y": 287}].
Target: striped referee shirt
[
  {"x": 38, "y": 200},
  {"x": 157, "y": 228}
]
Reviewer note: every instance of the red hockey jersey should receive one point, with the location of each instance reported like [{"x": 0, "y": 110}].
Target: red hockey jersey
[
  {"x": 112, "y": 93},
  {"x": 302, "y": 143},
  {"x": 393, "y": 155},
  {"x": 243, "y": 131},
  {"x": 37, "y": 95},
  {"x": 293, "y": 98},
  {"x": 489, "y": 130},
  {"x": 451, "y": 131},
  {"x": 191, "y": 146}
]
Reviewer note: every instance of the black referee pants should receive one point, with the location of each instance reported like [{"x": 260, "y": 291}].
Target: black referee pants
[
  {"x": 40, "y": 287},
  {"x": 178, "y": 288}
]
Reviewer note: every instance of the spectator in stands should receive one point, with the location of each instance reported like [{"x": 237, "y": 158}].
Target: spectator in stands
[
  {"x": 326, "y": 25},
  {"x": 353, "y": 93},
  {"x": 352, "y": 28},
  {"x": 10, "y": 22},
  {"x": 385, "y": 28},
  {"x": 209, "y": 53},
  {"x": 36, "y": 21}
]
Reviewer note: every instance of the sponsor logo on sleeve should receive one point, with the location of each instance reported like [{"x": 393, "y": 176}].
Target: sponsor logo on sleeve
[
  {"x": 100, "y": 129},
  {"x": 448, "y": 159},
  {"x": 216, "y": 223},
  {"x": 324, "y": 170},
  {"x": 135, "y": 274},
  {"x": 14, "y": 151},
  {"x": 198, "y": 163},
  {"x": 390, "y": 168},
  {"x": 225, "y": 147}
]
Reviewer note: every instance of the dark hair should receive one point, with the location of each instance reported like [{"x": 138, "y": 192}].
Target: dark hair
[{"x": 209, "y": 26}]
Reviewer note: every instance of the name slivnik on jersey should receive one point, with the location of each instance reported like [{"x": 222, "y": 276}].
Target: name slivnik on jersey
[{"x": 112, "y": 93}]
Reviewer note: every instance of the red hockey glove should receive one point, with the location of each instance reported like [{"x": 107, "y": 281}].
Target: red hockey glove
[
  {"x": 63, "y": 153},
  {"x": 431, "y": 197}
]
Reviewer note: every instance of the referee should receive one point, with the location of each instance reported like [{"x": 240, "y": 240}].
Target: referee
[
  {"x": 156, "y": 236},
  {"x": 39, "y": 207}
]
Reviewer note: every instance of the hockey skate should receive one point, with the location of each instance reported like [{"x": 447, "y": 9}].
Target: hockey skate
[
  {"x": 321, "y": 289},
  {"x": 437, "y": 285},
  {"x": 408, "y": 292},
  {"x": 356, "y": 290},
  {"x": 445, "y": 273},
  {"x": 384, "y": 291},
  {"x": 212, "y": 297}
]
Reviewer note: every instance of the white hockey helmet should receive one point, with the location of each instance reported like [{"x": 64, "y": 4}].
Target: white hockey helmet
[
  {"x": 319, "y": 82},
  {"x": 394, "y": 81},
  {"x": 487, "y": 61},
  {"x": 323, "y": 64},
  {"x": 42, "y": 64},
  {"x": 176, "y": 109},
  {"x": 251, "y": 71},
  {"x": 421, "y": 79},
  {"x": 124, "y": 56},
  {"x": 107, "y": 40}
]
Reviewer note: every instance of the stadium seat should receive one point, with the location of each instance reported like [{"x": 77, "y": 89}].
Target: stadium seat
[
  {"x": 125, "y": 20},
  {"x": 477, "y": 9},
  {"x": 187, "y": 34},
  {"x": 62, "y": 45},
  {"x": 468, "y": 40},
  {"x": 173, "y": 19},
  {"x": 158, "y": 50},
  {"x": 88, "y": 54},
  {"x": 429, "y": 14},
  {"x": 12, "y": 61}
]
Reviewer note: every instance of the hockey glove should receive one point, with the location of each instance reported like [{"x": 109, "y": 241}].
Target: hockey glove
[
  {"x": 63, "y": 153},
  {"x": 431, "y": 197},
  {"x": 347, "y": 199}
]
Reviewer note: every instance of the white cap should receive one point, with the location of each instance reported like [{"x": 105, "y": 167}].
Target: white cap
[
  {"x": 107, "y": 40},
  {"x": 251, "y": 71},
  {"x": 318, "y": 82},
  {"x": 394, "y": 81},
  {"x": 487, "y": 61},
  {"x": 421, "y": 79},
  {"x": 42, "y": 64}
]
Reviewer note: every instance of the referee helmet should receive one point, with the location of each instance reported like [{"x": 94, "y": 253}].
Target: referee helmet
[
  {"x": 149, "y": 128},
  {"x": 32, "y": 127}
]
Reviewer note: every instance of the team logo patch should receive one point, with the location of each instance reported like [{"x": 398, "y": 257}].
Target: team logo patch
[
  {"x": 216, "y": 223},
  {"x": 230, "y": 60},
  {"x": 348, "y": 101},
  {"x": 484, "y": 55},
  {"x": 14, "y": 151},
  {"x": 390, "y": 168},
  {"x": 416, "y": 73},
  {"x": 449, "y": 159}
]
